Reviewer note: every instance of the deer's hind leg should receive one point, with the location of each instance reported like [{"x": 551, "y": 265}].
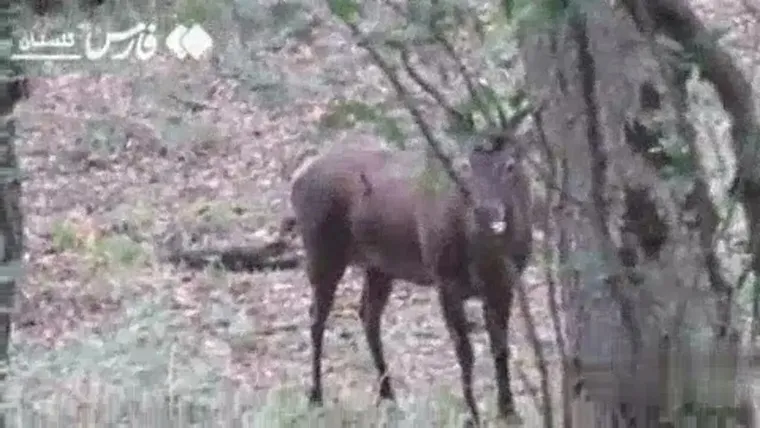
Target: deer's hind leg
[
  {"x": 375, "y": 294},
  {"x": 327, "y": 259}
]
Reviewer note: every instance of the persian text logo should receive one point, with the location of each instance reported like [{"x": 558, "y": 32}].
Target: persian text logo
[
  {"x": 60, "y": 48},
  {"x": 139, "y": 41}
]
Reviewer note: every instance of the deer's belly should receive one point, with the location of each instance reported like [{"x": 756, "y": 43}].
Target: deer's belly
[
  {"x": 405, "y": 264},
  {"x": 384, "y": 230}
]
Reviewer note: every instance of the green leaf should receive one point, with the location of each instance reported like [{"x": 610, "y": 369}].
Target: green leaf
[
  {"x": 285, "y": 12},
  {"x": 345, "y": 114},
  {"x": 537, "y": 15},
  {"x": 458, "y": 128},
  {"x": 411, "y": 34},
  {"x": 286, "y": 20},
  {"x": 346, "y": 10},
  {"x": 681, "y": 162},
  {"x": 192, "y": 11},
  {"x": 389, "y": 128},
  {"x": 419, "y": 12},
  {"x": 447, "y": 15}
]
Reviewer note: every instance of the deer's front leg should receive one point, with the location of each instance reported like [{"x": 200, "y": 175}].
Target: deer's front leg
[
  {"x": 496, "y": 312},
  {"x": 455, "y": 317}
]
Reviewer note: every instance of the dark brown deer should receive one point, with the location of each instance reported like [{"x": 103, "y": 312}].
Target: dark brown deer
[{"x": 367, "y": 208}]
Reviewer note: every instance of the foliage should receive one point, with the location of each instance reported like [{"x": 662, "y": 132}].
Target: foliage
[
  {"x": 347, "y": 114},
  {"x": 64, "y": 237}
]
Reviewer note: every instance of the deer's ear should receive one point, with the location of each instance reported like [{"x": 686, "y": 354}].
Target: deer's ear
[
  {"x": 498, "y": 143},
  {"x": 491, "y": 144}
]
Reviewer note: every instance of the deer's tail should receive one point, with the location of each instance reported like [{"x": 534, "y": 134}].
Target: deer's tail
[{"x": 289, "y": 223}]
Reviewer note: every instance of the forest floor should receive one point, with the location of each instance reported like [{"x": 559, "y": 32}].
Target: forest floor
[{"x": 119, "y": 161}]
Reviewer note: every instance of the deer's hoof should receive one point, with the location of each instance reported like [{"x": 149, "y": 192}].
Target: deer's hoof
[
  {"x": 388, "y": 401},
  {"x": 386, "y": 393},
  {"x": 391, "y": 411}
]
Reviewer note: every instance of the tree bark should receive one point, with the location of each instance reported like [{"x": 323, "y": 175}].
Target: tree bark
[
  {"x": 675, "y": 19},
  {"x": 635, "y": 249},
  {"x": 11, "y": 226}
]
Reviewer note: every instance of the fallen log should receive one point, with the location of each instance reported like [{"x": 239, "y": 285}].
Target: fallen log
[{"x": 276, "y": 255}]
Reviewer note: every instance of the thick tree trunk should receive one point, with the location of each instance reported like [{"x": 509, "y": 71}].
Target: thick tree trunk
[
  {"x": 640, "y": 261},
  {"x": 11, "y": 230}
]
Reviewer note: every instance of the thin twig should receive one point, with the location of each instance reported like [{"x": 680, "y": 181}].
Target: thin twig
[
  {"x": 193, "y": 105},
  {"x": 549, "y": 255},
  {"x": 427, "y": 86},
  {"x": 530, "y": 388},
  {"x": 468, "y": 81},
  {"x": 439, "y": 37},
  {"x": 538, "y": 352},
  {"x": 425, "y": 128},
  {"x": 499, "y": 111}
]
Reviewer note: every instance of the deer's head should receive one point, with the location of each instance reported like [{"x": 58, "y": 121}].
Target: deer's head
[{"x": 496, "y": 180}]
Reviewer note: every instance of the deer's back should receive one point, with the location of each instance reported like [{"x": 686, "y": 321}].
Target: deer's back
[
  {"x": 327, "y": 184},
  {"x": 393, "y": 225}
]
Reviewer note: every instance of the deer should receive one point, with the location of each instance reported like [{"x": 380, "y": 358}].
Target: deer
[{"x": 364, "y": 207}]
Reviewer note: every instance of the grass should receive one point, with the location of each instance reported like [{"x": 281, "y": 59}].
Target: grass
[{"x": 95, "y": 405}]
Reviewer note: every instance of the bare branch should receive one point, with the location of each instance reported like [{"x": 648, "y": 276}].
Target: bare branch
[
  {"x": 472, "y": 87},
  {"x": 549, "y": 257},
  {"x": 522, "y": 113},
  {"x": 587, "y": 70},
  {"x": 503, "y": 122},
  {"x": 428, "y": 87},
  {"x": 568, "y": 199},
  {"x": 277, "y": 255},
  {"x": 538, "y": 350},
  {"x": 468, "y": 81},
  {"x": 530, "y": 388},
  {"x": 425, "y": 128},
  {"x": 699, "y": 200}
]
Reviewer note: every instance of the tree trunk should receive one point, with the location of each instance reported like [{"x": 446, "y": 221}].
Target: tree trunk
[
  {"x": 643, "y": 245},
  {"x": 11, "y": 228}
]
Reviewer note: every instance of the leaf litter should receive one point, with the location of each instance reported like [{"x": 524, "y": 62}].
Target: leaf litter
[{"x": 110, "y": 156}]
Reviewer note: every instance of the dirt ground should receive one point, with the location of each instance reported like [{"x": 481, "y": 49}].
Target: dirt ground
[{"x": 108, "y": 185}]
